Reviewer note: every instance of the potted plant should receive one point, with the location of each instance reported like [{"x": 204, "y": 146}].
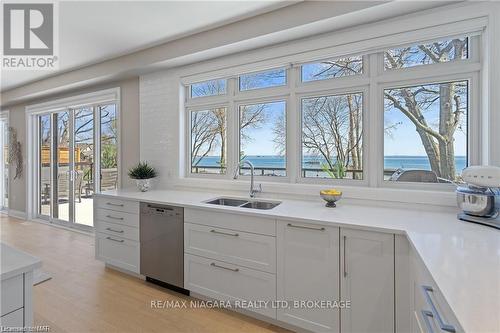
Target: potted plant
[{"x": 142, "y": 173}]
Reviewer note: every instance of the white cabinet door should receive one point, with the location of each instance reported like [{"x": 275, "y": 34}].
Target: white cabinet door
[
  {"x": 308, "y": 270},
  {"x": 367, "y": 281}
]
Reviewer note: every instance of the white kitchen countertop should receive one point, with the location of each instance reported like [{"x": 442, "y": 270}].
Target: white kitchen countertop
[
  {"x": 15, "y": 262},
  {"x": 463, "y": 258}
]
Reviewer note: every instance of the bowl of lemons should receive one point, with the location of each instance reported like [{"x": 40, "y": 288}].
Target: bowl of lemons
[{"x": 331, "y": 196}]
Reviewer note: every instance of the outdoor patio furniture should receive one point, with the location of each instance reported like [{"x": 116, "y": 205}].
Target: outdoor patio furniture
[
  {"x": 63, "y": 184},
  {"x": 423, "y": 176}
]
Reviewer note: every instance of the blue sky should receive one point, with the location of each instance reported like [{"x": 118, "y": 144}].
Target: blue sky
[{"x": 262, "y": 138}]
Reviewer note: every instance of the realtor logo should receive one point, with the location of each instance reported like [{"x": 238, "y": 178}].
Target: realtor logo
[{"x": 29, "y": 33}]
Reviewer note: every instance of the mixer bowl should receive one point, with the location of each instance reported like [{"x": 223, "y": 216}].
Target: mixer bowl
[{"x": 481, "y": 202}]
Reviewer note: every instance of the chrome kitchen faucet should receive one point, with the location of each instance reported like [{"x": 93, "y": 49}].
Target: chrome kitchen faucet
[{"x": 253, "y": 190}]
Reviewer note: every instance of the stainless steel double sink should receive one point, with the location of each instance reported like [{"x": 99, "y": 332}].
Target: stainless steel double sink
[{"x": 252, "y": 204}]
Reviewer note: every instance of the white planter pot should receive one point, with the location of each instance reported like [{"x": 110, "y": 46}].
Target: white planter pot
[{"x": 143, "y": 184}]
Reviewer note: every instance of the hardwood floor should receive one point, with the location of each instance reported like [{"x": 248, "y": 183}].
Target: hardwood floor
[{"x": 85, "y": 296}]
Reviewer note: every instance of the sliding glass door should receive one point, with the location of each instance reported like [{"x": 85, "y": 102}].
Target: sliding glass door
[{"x": 71, "y": 164}]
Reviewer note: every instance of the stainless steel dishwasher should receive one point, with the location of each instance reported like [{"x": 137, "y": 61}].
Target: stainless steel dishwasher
[{"x": 162, "y": 245}]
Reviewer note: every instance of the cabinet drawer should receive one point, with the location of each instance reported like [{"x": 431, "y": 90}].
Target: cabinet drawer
[
  {"x": 119, "y": 205},
  {"x": 257, "y": 225},
  {"x": 118, "y": 251},
  {"x": 112, "y": 216},
  {"x": 228, "y": 282},
  {"x": 117, "y": 229},
  {"x": 13, "y": 319},
  {"x": 12, "y": 294},
  {"x": 235, "y": 247}
]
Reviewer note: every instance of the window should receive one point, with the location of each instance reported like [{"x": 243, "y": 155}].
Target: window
[
  {"x": 332, "y": 136},
  {"x": 424, "y": 54},
  {"x": 263, "y": 138},
  {"x": 266, "y": 79},
  {"x": 209, "y": 88},
  {"x": 208, "y": 141},
  {"x": 330, "y": 69},
  {"x": 314, "y": 126},
  {"x": 426, "y": 132}
]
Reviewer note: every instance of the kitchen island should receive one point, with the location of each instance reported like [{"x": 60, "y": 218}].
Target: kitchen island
[{"x": 16, "y": 273}]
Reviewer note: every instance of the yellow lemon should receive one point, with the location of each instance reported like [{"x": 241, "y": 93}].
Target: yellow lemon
[{"x": 331, "y": 192}]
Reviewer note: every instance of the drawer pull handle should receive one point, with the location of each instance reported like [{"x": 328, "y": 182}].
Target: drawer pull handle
[
  {"x": 223, "y": 233},
  {"x": 444, "y": 326},
  {"x": 115, "y": 240},
  {"x": 114, "y": 218},
  {"x": 345, "y": 264},
  {"x": 229, "y": 269},
  {"x": 113, "y": 230},
  {"x": 304, "y": 227},
  {"x": 425, "y": 316},
  {"x": 113, "y": 204}
]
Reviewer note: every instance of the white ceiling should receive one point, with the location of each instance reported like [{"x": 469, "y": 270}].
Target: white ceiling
[{"x": 91, "y": 31}]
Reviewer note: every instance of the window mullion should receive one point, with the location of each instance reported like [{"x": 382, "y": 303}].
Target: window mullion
[
  {"x": 293, "y": 130},
  {"x": 232, "y": 119},
  {"x": 374, "y": 120}
]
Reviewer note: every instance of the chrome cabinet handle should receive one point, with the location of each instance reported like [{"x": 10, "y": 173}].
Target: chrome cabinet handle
[
  {"x": 223, "y": 233},
  {"x": 444, "y": 326},
  {"x": 113, "y": 204},
  {"x": 229, "y": 269},
  {"x": 114, "y": 218},
  {"x": 304, "y": 227},
  {"x": 113, "y": 230},
  {"x": 115, "y": 240},
  {"x": 425, "y": 316},
  {"x": 345, "y": 265}
]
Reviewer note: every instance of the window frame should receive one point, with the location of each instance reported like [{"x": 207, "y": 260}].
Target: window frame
[
  {"x": 263, "y": 100},
  {"x": 364, "y": 90},
  {"x": 473, "y": 121},
  {"x": 371, "y": 83},
  {"x": 198, "y": 108}
]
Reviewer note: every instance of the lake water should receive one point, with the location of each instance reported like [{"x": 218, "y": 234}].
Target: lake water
[{"x": 313, "y": 162}]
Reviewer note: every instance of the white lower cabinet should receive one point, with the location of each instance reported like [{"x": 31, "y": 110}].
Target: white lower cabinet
[
  {"x": 367, "y": 281},
  {"x": 308, "y": 270},
  {"x": 229, "y": 282},
  {"x": 117, "y": 233}
]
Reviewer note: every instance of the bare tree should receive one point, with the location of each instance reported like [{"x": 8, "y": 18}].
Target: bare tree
[
  {"x": 415, "y": 102},
  {"x": 204, "y": 134},
  {"x": 329, "y": 69},
  {"x": 332, "y": 129},
  {"x": 208, "y": 88},
  {"x": 251, "y": 117}
]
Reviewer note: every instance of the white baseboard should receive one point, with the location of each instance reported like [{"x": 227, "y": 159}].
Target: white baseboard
[{"x": 17, "y": 214}]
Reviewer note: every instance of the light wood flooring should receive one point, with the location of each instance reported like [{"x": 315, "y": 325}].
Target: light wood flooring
[{"x": 85, "y": 296}]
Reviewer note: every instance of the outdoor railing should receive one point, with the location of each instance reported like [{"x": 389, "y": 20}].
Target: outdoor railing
[{"x": 278, "y": 171}]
